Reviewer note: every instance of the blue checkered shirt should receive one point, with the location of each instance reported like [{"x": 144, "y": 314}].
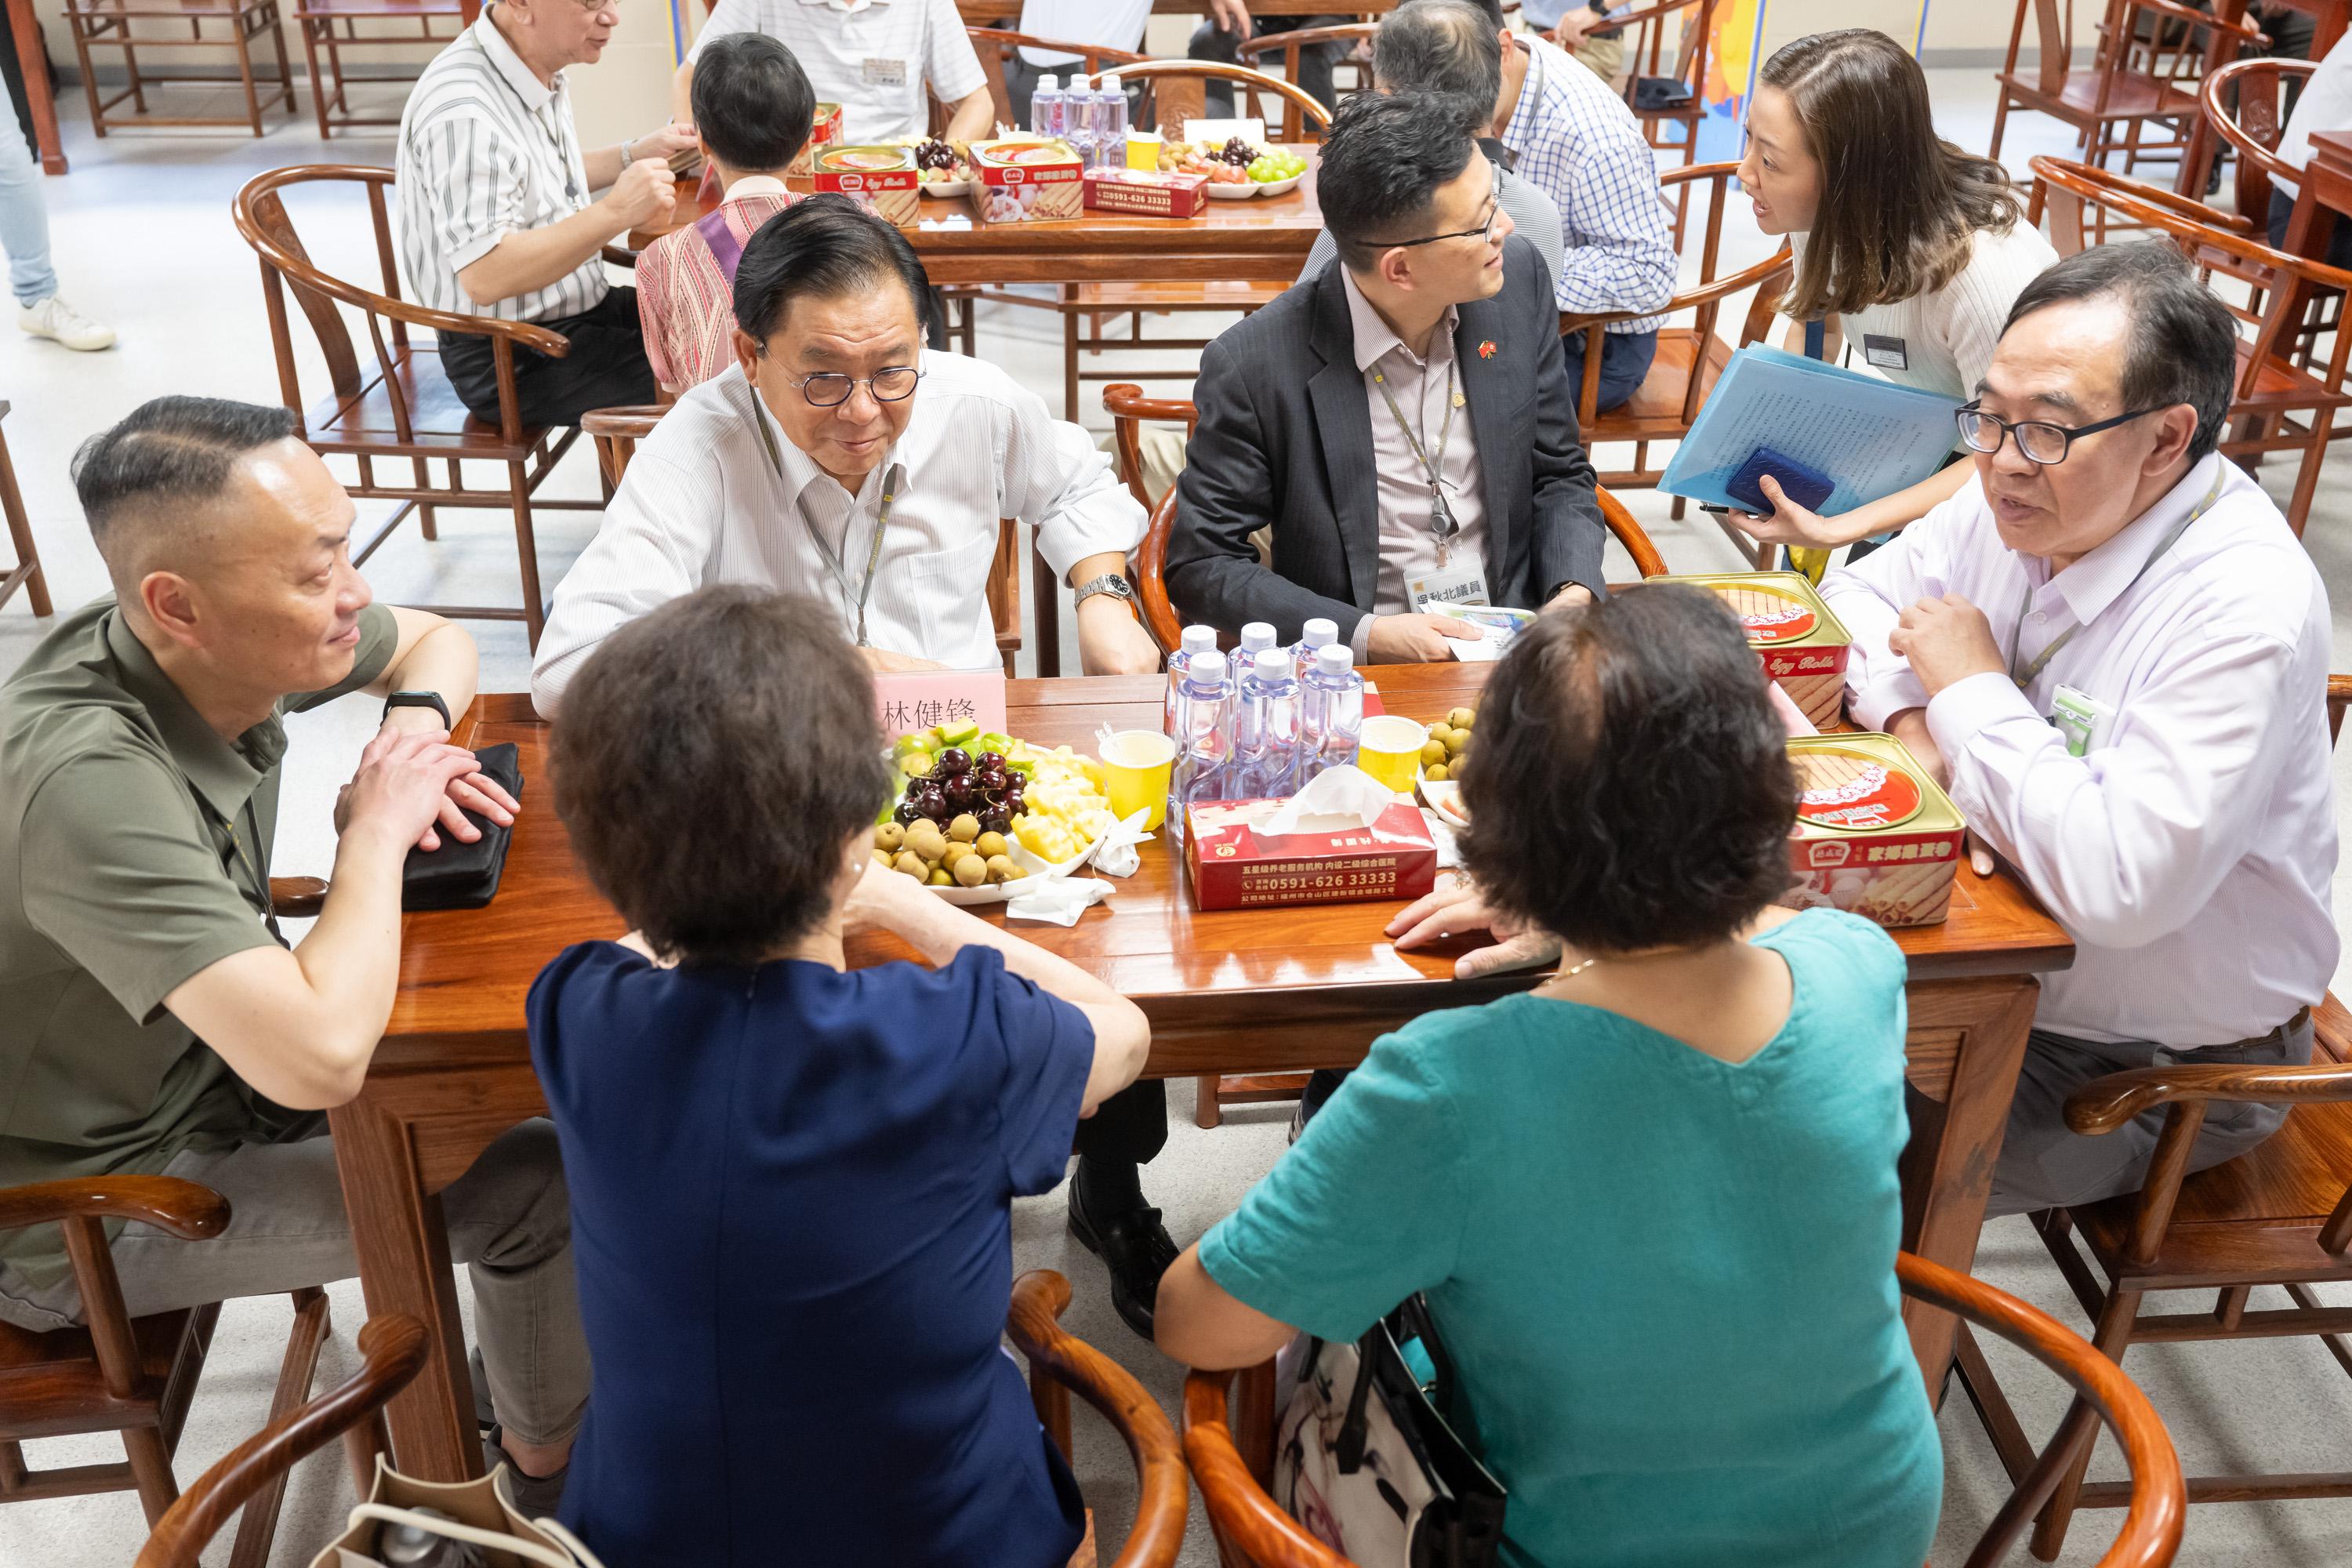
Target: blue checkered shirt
[{"x": 1577, "y": 140}]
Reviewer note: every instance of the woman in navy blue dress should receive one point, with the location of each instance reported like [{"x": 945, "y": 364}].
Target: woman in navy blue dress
[{"x": 791, "y": 1181}]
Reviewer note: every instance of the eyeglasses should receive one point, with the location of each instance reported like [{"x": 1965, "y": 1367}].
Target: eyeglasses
[
  {"x": 1484, "y": 231},
  {"x": 831, "y": 389},
  {"x": 2039, "y": 442}
]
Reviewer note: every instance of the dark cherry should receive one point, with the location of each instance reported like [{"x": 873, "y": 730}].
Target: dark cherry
[
  {"x": 998, "y": 821},
  {"x": 994, "y": 779},
  {"x": 991, "y": 760},
  {"x": 932, "y": 802},
  {"x": 906, "y": 814},
  {"x": 954, "y": 760},
  {"x": 960, "y": 790}
]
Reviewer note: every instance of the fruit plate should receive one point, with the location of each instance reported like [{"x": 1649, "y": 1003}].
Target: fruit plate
[
  {"x": 1280, "y": 187},
  {"x": 1444, "y": 797},
  {"x": 1040, "y": 873},
  {"x": 1230, "y": 193},
  {"x": 945, "y": 187}
]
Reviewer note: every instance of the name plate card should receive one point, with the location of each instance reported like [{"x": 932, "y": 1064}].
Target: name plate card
[{"x": 916, "y": 700}]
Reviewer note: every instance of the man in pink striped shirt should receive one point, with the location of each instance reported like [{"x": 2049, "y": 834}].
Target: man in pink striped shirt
[{"x": 752, "y": 107}]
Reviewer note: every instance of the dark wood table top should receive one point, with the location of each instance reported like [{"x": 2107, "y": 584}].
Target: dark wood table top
[
  {"x": 2334, "y": 146},
  {"x": 464, "y": 973}
]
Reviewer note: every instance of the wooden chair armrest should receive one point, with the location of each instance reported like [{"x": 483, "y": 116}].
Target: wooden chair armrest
[
  {"x": 392, "y": 1349},
  {"x": 1630, "y": 533},
  {"x": 297, "y": 898},
  {"x": 1706, "y": 293},
  {"x": 184, "y": 1209},
  {"x": 2106, "y": 1103},
  {"x": 1649, "y": 14},
  {"x": 620, "y": 256},
  {"x": 630, "y": 422},
  {"x": 1039, "y": 1299},
  {"x": 1238, "y": 1506},
  {"x": 2214, "y": 93},
  {"x": 1159, "y": 616},
  {"x": 2246, "y": 31}
]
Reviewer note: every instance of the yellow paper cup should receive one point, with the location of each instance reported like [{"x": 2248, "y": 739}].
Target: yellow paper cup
[
  {"x": 1389, "y": 750},
  {"x": 1136, "y": 765},
  {"x": 1143, "y": 150}
]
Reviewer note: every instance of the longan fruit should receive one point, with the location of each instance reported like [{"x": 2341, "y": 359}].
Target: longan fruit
[
  {"x": 941, "y": 878},
  {"x": 890, "y": 835},
  {"x": 991, "y": 845},
  {"x": 911, "y": 864},
  {"x": 1435, "y": 773},
  {"x": 1461, "y": 718},
  {"x": 970, "y": 871},
  {"x": 1000, "y": 868},
  {"x": 882, "y": 859},
  {"x": 1440, "y": 733},
  {"x": 964, "y": 828},
  {"x": 1434, "y": 753},
  {"x": 1456, "y": 742},
  {"x": 954, "y": 853}
]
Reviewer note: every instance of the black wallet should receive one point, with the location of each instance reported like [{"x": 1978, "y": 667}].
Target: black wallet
[{"x": 466, "y": 876}]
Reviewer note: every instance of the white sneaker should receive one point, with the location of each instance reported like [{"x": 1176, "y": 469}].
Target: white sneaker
[{"x": 53, "y": 318}]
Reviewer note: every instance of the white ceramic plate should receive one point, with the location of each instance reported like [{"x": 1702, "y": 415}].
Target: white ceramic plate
[
  {"x": 1240, "y": 193},
  {"x": 944, "y": 187},
  {"x": 1444, "y": 797},
  {"x": 1280, "y": 187},
  {"x": 1039, "y": 871}
]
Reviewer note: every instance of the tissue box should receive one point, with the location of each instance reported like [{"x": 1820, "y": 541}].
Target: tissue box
[
  {"x": 824, "y": 131},
  {"x": 1235, "y": 866},
  {"x": 1874, "y": 837},
  {"x": 882, "y": 179},
  {"x": 1802, "y": 643},
  {"x": 1019, "y": 179},
  {"x": 1146, "y": 193}
]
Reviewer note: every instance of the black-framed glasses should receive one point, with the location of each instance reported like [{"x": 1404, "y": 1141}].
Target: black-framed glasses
[
  {"x": 2039, "y": 441},
  {"x": 831, "y": 389},
  {"x": 1484, "y": 232}
]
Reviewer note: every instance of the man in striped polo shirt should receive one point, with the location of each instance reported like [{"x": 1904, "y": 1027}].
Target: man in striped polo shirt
[
  {"x": 495, "y": 218},
  {"x": 881, "y": 60}
]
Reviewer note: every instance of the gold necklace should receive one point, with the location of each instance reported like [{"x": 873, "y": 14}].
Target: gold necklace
[{"x": 1572, "y": 973}]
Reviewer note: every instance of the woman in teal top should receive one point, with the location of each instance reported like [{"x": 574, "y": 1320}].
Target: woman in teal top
[{"x": 1654, "y": 1202}]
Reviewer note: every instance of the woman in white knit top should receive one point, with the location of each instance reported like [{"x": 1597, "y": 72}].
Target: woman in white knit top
[{"x": 1911, "y": 249}]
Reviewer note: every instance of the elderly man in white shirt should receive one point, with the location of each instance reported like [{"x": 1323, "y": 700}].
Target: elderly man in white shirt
[
  {"x": 881, "y": 60},
  {"x": 2115, "y": 652}
]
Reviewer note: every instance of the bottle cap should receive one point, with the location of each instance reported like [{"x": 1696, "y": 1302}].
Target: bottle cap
[
  {"x": 1049, "y": 83},
  {"x": 1334, "y": 658},
  {"x": 1200, "y": 639},
  {"x": 1255, "y": 636},
  {"x": 1319, "y": 631},
  {"x": 1110, "y": 83},
  {"x": 1270, "y": 663},
  {"x": 1207, "y": 665}
]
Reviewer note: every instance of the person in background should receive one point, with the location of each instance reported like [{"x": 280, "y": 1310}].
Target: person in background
[
  {"x": 25, "y": 237},
  {"x": 1422, "y": 366},
  {"x": 882, "y": 60},
  {"x": 2326, "y": 104},
  {"x": 1912, "y": 248},
  {"x": 1642, "y": 1197},
  {"x": 2115, "y": 651},
  {"x": 1109, "y": 24},
  {"x": 752, "y": 107},
  {"x": 1576, "y": 139},
  {"x": 160, "y": 1022},
  {"x": 494, "y": 216},
  {"x": 1229, "y": 24},
  {"x": 792, "y": 1180},
  {"x": 1582, "y": 28}
]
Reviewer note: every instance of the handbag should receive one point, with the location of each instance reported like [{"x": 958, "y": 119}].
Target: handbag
[
  {"x": 1657, "y": 94},
  {"x": 1373, "y": 1461},
  {"x": 481, "y": 1512},
  {"x": 466, "y": 876}
]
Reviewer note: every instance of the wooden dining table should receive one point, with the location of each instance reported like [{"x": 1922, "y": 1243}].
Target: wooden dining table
[{"x": 1235, "y": 991}]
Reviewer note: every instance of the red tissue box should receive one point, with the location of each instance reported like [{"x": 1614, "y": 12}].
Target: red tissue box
[{"x": 1235, "y": 867}]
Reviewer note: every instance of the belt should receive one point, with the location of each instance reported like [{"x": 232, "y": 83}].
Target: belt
[{"x": 2278, "y": 1035}]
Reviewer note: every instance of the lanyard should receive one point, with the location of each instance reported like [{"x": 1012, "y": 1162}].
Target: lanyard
[
  {"x": 1441, "y": 526},
  {"x": 2033, "y": 672},
  {"x": 892, "y": 478}
]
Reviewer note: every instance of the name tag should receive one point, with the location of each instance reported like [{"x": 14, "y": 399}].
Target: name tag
[
  {"x": 886, "y": 73},
  {"x": 2082, "y": 718},
  {"x": 1886, "y": 353},
  {"x": 1454, "y": 586}
]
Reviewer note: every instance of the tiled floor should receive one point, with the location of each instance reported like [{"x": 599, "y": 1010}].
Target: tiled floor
[{"x": 144, "y": 240}]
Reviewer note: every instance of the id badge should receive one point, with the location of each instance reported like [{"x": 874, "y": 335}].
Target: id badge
[
  {"x": 886, "y": 73},
  {"x": 1886, "y": 353},
  {"x": 1454, "y": 586},
  {"x": 2082, "y": 718}
]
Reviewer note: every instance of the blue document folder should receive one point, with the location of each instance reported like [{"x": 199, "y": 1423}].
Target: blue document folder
[{"x": 1871, "y": 436}]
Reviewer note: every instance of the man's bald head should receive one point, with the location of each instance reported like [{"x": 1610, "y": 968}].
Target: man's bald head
[{"x": 157, "y": 487}]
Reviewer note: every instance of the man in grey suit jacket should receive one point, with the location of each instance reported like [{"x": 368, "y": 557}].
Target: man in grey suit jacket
[{"x": 1401, "y": 420}]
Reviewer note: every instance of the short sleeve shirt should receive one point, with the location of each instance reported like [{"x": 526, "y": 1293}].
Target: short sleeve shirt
[
  {"x": 874, "y": 58},
  {"x": 134, "y": 852},
  {"x": 791, "y": 1193}
]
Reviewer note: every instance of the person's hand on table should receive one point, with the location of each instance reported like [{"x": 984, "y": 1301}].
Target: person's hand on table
[
  {"x": 1415, "y": 639},
  {"x": 882, "y": 661},
  {"x": 410, "y": 780},
  {"x": 1231, "y": 17},
  {"x": 1111, "y": 641},
  {"x": 1789, "y": 523},
  {"x": 1910, "y": 727},
  {"x": 643, "y": 196},
  {"x": 663, "y": 143},
  {"x": 1945, "y": 641},
  {"x": 1458, "y": 907}
]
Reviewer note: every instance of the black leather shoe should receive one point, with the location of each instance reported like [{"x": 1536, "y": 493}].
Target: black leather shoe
[{"x": 1138, "y": 1249}]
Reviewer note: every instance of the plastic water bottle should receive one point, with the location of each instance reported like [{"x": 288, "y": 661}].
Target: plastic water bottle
[
  {"x": 1045, "y": 106},
  {"x": 1110, "y": 150},
  {"x": 1081, "y": 113},
  {"x": 1314, "y": 634},
  {"x": 1205, "y": 748},
  {"x": 1197, "y": 640},
  {"x": 1332, "y": 713},
  {"x": 1266, "y": 729},
  {"x": 1255, "y": 635}
]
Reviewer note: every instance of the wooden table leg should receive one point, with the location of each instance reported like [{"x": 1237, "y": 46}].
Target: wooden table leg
[
  {"x": 35, "y": 63},
  {"x": 1968, "y": 1040},
  {"x": 404, "y": 1254}
]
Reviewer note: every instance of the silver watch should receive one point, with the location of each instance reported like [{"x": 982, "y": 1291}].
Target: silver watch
[{"x": 1110, "y": 582}]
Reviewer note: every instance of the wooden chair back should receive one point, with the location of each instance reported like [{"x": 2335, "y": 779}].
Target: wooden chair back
[
  {"x": 1693, "y": 40},
  {"x": 259, "y": 211},
  {"x": 1060, "y": 1364},
  {"x": 2245, "y": 103},
  {"x": 1172, "y": 94},
  {"x": 392, "y": 1350},
  {"x": 1231, "y": 1448},
  {"x": 995, "y": 48},
  {"x": 1252, "y": 52}
]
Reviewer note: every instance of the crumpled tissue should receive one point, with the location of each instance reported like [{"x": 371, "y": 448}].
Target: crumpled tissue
[
  {"x": 1058, "y": 901},
  {"x": 1334, "y": 801},
  {"x": 1117, "y": 856}
]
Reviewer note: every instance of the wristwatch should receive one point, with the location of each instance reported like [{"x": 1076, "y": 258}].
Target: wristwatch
[
  {"x": 417, "y": 699},
  {"x": 1110, "y": 582}
]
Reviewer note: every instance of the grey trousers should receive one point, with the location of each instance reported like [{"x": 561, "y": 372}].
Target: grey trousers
[
  {"x": 509, "y": 1219},
  {"x": 2044, "y": 1163}
]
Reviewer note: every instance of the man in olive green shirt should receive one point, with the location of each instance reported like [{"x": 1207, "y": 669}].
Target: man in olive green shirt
[{"x": 152, "y": 1018}]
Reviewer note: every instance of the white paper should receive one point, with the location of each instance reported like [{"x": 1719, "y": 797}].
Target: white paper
[
  {"x": 1337, "y": 800},
  {"x": 1059, "y": 901},
  {"x": 1449, "y": 853},
  {"x": 1118, "y": 856}
]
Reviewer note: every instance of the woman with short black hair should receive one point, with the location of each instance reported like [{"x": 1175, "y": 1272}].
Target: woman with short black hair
[
  {"x": 1652, "y": 1204},
  {"x": 791, "y": 1181}
]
